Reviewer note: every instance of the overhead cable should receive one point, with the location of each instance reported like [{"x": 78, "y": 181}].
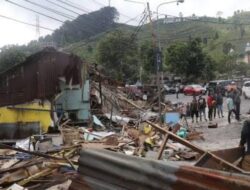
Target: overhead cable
[{"x": 26, "y": 23}]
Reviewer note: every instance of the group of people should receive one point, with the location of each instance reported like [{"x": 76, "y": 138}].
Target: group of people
[{"x": 214, "y": 103}]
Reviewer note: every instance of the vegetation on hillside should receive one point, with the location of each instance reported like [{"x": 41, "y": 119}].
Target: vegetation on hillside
[{"x": 97, "y": 38}]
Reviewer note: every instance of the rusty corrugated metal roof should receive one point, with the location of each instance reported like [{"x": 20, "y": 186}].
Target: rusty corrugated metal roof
[
  {"x": 106, "y": 170},
  {"x": 38, "y": 77}
]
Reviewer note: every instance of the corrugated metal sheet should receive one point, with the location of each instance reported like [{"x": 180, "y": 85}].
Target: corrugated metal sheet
[
  {"x": 106, "y": 170},
  {"x": 37, "y": 77}
]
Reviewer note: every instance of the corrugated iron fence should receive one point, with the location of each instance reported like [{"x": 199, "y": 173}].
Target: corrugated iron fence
[{"x": 106, "y": 170}]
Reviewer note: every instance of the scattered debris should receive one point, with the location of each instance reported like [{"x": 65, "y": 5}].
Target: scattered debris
[{"x": 125, "y": 123}]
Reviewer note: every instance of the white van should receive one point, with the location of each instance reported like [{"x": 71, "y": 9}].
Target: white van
[{"x": 246, "y": 89}]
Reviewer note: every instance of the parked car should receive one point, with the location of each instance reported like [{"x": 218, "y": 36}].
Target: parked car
[
  {"x": 246, "y": 89},
  {"x": 169, "y": 89},
  {"x": 219, "y": 85},
  {"x": 194, "y": 90}
]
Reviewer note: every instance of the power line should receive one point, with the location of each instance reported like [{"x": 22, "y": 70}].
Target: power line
[
  {"x": 26, "y": 23},
  {"x": 16, "y": 4},
  {"x": 90, "y": 25},
  {"x": 78, "y": 27},
  {"x": 51, "y": 10},
  {"x": 132, "y": 19},
  {"x": 48, "y": 16},
  {"x": 73, "y": 6},
  {"x": 63, "y": 7},
  {"x": 98, "y": 3},
  {"x": 141, "y": 23},
  {"x": 78, "y": 5},
  {"x": 103, "y": 5}
]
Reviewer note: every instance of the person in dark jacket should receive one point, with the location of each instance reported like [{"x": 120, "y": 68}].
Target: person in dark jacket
[
  {"x": 194, "y": 109},
  {"x": 237, "y": 102},
  {"x": 245, "y": 139},
  {"x": 202, "y": 107},
  {"x": 219, "y": 104},
  {"x": 214, "y": 104}
]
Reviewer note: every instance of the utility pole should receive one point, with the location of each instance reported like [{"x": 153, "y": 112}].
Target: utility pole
[
  {"x": 109, "y": 2},
  {"x": 157, "y": 60}
]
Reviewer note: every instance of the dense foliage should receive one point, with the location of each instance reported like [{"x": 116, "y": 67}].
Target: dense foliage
[
  {"x": 11, "y": 55},
  {"x": 190, "y": 61},
  {"x": 117, "y": 52},
  {"x": 84, "y": 27}
]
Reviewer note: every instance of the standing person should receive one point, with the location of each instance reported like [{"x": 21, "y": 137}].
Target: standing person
[
  {"x": 214, "y": 96},
  {"x": 194, "y": 109},
  {"x": 245, "y": 138},
  {"x": 237, "y": 102},
  {"x": 219, "y": 103},
  {"x": 177, "y": 90},
  {"x": 230, "y": 107},
  {"x": 202, "y": 107},
  {"x": 210, "y": 106},
  {"x": 188, "y": 111}
]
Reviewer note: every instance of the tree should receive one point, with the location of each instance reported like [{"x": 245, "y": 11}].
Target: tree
[
  {"x": 175, "y": 58},
  {"x": 147, "y": 59},
  {"x": 216, "y": 36},
  {"x": 117, "y": 53},
  {"x": 84, "y": 27},
  {"x": 188, "y": 60},
  {"x": 10, "y": 56},
  {"x": 227, "y": 46}
]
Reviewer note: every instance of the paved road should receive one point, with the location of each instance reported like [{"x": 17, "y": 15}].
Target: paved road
[
  {"x": 225, "y": 136},
  {"x": 245, "y": 104}
]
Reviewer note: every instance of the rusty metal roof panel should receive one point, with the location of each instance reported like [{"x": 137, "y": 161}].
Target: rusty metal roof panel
[
  {"x": 38, "y": 77},
  {"x": 102, "y": 169}
]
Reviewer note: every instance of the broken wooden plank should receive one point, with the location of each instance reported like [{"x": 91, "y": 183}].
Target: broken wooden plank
[
  {"x": 177, "y": 138},
  {"x": 163, "y": 145},
  {"x": 4, "y": 146}
]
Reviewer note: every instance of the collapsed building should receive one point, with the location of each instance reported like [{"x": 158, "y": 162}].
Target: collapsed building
[
  {"x": 34, "y": 93},
  {"x": 108, "y": 133}
]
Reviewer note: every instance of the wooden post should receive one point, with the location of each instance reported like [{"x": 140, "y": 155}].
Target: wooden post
[{"x": 163, "y": 145}]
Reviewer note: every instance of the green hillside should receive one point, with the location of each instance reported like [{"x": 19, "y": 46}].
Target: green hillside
[
  {"x": 81, "y": 36},
  {"x": 214, "y": 32}
]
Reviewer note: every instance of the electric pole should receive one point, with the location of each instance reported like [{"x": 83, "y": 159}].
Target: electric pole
[{"x": 158, "y": 60}]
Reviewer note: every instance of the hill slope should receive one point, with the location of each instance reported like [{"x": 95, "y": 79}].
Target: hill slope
[{"x": 214, "y": 32}]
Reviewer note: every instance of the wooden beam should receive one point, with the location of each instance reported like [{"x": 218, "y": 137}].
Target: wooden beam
[
  {"x": 163, "y": 145},
  {"x": 177, "y": 138},
  {"x": 196, "y": 148}
]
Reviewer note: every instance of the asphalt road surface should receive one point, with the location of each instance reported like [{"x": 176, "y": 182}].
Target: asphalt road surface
[
  {"x": 245, "y": 104},
  {"x": 223, "y": 137}
]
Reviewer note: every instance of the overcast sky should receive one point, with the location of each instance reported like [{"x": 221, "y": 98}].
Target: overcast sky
[{"x": 15, "y": 33}]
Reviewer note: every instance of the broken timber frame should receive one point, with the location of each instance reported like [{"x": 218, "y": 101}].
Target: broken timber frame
[{"x": 195, "y": 148}]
